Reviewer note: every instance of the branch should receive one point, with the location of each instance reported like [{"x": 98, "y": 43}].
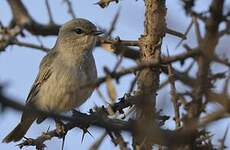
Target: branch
[
  {"x": 49, "y": 12},
  {"x": 30, "y": 45},
  {"x": 174, "y": 96},
  {"x": 148, "y": 78},
  {"x": 99, "y": 118},
  {"x": 124, "y": 50},
  {"x": 23, "y": 19},
  {"x": 207, "y": 47},
  {"x": 144, "y": 65},
  {"x": 7, "y": 36},
  {"x": 176, "y": 33}
]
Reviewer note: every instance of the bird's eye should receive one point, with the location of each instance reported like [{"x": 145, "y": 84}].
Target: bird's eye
[{"x": 79, "y": 31}]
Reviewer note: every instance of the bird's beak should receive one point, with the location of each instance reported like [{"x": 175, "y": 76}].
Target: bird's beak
[{"x": 97, "y": 32}]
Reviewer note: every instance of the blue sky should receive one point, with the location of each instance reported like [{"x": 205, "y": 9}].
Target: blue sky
[{"x": 19, "y": 65}]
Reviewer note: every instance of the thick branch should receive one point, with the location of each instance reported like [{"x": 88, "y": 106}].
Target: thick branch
[{"x": 148, "y": 79}]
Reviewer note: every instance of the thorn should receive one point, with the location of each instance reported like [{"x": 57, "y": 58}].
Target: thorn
[
  {"x": 48, "y": 129},
  {"x": 63, "y": 143},
  {"x": 25, "y": 138},
  {"x": 124, "y": 116},
  {"x": 186, "y": 33},
  {"x": 90, "y": 134},
  {"x": 83, "y": 135},
  {"x": 117, "y": 39},
  {"x": 85, "y": 130},
  {"x": 167, "y": 50}
]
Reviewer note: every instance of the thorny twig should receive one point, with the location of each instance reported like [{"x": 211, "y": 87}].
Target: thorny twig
[{"x": 176, "y": 105}]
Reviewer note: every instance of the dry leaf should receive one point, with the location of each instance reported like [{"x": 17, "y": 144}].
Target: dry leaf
[
  {"x": 111, "y": 89},
  {"x": 105, "y": 3}
]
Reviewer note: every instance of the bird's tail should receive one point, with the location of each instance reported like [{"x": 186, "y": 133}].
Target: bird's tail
[{"x": 19, "y": 131}]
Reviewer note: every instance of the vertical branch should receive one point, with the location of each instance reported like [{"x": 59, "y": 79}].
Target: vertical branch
[
  {"x": 148, "y": 80},
  {"x": 207, "y": 48},
  {"x": 174, "y": 96}
]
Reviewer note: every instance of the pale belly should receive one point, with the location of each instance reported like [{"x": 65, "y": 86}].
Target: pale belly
[{"x": 62, "y": 92}]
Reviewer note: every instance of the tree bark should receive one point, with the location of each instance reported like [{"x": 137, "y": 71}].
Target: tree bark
[{"x": 148, "y": 80}]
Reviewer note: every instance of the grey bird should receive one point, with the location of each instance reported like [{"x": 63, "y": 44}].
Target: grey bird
[{"x": 67, "y": 67}]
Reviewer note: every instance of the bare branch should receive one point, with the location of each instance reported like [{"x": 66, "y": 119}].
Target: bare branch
[
  {"x": 174, "y": 96},
  {"x": 70, "y": 8},
  {"x": 176, "y": 33},
  {"x": 23, "y": 19},
  {"x": 30, "y": 45},
  {"x": 49, "y": 12},
  {"x": 113, "y": 24}
]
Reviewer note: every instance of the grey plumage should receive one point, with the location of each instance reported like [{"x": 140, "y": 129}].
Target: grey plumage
[{"x": 69, "y": 65}]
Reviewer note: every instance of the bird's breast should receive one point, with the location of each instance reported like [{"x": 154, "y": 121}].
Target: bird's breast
[{"x": 62, "y": 91}]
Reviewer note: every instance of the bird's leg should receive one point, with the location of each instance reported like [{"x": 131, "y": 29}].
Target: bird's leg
[
  {"x": 61, "y": 131},
  {"x": 60, "y": 128}
]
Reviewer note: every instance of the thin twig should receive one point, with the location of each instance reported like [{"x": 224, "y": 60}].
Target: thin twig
[
  {"x": 174, "y": 95},
  {"x": 70, "y": 8},
  {"x": 197, "y": 29},
  {"x": 119, "y": 42},
  {"x": 176, "y": 33},
  {"x": 98, "y": 142},
  {"x": 185, "y": 34},
  {"x": 113, "y": 24},
  {"x": 30, "y": 45},
  {"x": 49, "y": 12}
]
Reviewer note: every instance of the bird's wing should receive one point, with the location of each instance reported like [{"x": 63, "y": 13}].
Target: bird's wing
[{"x": 45, "y": 70}]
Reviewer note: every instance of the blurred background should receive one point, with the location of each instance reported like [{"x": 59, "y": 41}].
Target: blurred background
[{"x": 19, "y": 65}]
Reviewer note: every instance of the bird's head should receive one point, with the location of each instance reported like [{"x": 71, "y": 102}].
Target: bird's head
[{"x": 77, "y": 35}]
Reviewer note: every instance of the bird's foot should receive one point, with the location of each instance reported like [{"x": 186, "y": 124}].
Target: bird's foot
[{"x": 60, "y": 128}]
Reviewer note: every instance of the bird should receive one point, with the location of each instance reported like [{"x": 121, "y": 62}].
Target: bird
[{"x": 62, "y": 72}]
